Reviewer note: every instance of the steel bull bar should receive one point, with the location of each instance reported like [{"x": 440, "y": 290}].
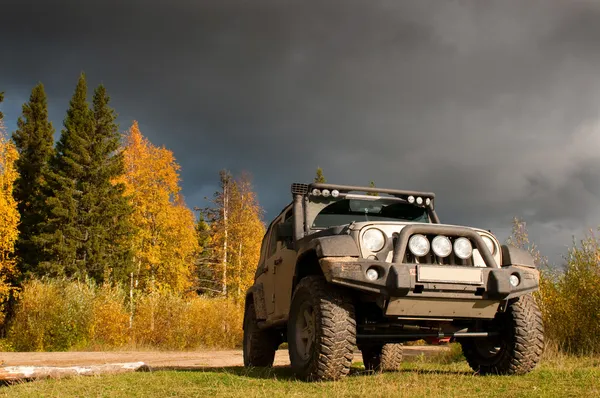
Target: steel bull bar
[{"x": 430, "y": 290}]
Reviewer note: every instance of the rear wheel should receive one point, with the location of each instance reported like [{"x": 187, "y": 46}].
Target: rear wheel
[
  {"x": 321, "y": 330},
  {"x": 259, "y": 345},
  {"x": 518, "y": 347},
  {"x": 382, "y": 357}
]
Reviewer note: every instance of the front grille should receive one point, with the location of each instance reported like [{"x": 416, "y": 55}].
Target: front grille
[{"x": 430, "y": 257}]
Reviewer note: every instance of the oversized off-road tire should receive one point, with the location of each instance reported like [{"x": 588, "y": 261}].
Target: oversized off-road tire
[
  {"x": 259, "y": 345},
  {"x": 518, "y": 348},
  {"x": 385, "y": 358},
  {"x": 321, "y": 331}
]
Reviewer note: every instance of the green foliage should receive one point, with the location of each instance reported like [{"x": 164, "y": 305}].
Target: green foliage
[
  {"x": 64, "y": 229},
  {"x": 35, "y": 144},
  {"x": 108, "y": 249},
  {"x": 319, "y": 177},
  {"x": 86, "y": 230}
]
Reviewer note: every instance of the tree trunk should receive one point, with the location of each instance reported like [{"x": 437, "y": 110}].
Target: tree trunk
[{"x": 225, "y": 211}]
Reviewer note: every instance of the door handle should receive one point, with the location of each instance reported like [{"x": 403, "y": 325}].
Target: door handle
[{"x": 278, "y": 261}]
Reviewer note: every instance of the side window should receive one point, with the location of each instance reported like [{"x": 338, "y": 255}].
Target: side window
[
  {"x": 288, "y": 218},
  {"x": 263, "y": 248},
  {"x": 273, "y": 239},
  {"x": 263, "y": 252},
  {"x": 288, "y": 215}
]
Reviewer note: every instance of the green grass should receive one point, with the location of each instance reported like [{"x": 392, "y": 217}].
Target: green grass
[{"x": 572, "y": 377}]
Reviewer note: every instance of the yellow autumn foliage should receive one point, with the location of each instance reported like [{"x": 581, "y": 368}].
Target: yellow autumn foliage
[
  {"x": 165, "y": 241},
  {"x": 59, "y": 315},
  {"x": 9, "y": 216}
]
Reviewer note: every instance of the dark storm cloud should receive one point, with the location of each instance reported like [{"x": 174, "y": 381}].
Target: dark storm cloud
[{"x": 493, "y": 105}]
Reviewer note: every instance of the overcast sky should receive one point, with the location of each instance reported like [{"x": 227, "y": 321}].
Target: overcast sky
[{"x": 493, "y": 105}]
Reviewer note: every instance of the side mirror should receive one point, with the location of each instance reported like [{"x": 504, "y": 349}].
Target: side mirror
[{"x": 285, "y": 231}]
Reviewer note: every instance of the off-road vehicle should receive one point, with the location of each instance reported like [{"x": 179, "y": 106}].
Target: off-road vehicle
[{"x": 344, "y": 267}]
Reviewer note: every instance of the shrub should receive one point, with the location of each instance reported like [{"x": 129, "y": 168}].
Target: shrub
[
  {"x": 172, "y": 322},
  {"x": 52, "y": 316},
  {"x": 110, "y": 320},
  {"x": 55, "y": 315},
  {"x": 570, "y": 301}
]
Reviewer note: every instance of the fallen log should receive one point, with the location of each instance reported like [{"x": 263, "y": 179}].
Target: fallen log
[{"x": 13, "y": 373}]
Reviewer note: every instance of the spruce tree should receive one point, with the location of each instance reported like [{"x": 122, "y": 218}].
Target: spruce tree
[
  {"x": 35, "y": 144},
  {"x": 319, "y": 177},
  {"x": 65, "y": 235},
  {"x": 87, "y": 233},
  {"x": 108, "y": 249}
]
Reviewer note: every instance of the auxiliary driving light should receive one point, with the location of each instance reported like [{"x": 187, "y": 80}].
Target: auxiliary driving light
[
  {"x": 411, "y": 199},
  {"x": 419, "y": 200},
  {"x": 441, "y": 246},
  {"x": 316, "y": 192},
  {"x": 335, "y": 193},
  {"x": 418, "y": 245},
  {"x": 372, "y": 274},
  {"x": 514, "y": 280},
  {"x": 463, "y": 248},
  {"x": 325, "y": 193},
  {"x": 427, "y": 201}
]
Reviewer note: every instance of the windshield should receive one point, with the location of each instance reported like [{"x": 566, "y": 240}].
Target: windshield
[{"x": 345, "y": 211}]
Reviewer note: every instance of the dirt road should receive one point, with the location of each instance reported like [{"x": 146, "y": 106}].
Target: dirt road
[{"x": 155, "y": 359}]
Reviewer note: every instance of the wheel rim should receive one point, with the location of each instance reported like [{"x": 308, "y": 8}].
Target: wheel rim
[
  {"x": 305, "y": 330},
  {"x": 488, "y": 348}
]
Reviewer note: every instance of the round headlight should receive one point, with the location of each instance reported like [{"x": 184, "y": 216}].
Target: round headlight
[
  {"x": 427, "y": 201},
  {"x": 373, "y": 239},
  {"x": 489, "y": 243},
  {"x": 325, "y": 193},
  {"x": 411, "y": 199},
  {"x": 463, "y": 248},
  {"x": 418, "y": 245},
  {"x": 419, "y": 200},
  {"x": 441, "y": 246},
  {"x": 316, "y": 192},
  {"x": 335, "y": 193}
]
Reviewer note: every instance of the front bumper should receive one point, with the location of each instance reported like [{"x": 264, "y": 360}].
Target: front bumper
[{"x": 432, "y": 290}]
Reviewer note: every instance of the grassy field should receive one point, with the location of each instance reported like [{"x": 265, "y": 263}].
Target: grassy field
[{"x": 558, "y": 377}]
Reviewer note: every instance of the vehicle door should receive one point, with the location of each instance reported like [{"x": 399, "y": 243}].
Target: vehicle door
[
  {"x": 285, "y": 264},
  {"x": 269, "y": 268}
]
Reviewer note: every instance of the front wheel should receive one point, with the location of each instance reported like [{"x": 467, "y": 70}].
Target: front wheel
[
  {"x": 259, "y": 345},
  {"x": 382, "y": 357},
  {"x": 518, "y": 347},
  {"x": 321, "y": 331}
]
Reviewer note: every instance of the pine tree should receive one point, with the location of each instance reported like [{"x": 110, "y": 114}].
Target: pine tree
[
  {"x": 319, "y": 177},
  {"x": 34, "y": 140}
]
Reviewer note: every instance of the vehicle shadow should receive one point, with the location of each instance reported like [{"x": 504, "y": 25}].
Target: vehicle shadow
[{"x": 285, "y": 373}]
